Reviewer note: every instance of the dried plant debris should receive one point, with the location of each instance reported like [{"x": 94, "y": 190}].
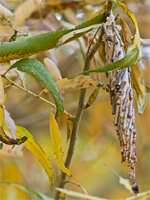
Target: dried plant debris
[{"x": 121, "y": 95}]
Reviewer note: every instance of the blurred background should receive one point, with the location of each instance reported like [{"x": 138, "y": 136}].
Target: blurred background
[{"x": 97, "y": 140}]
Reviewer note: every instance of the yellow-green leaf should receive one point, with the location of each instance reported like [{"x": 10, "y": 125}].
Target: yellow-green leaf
[
  {"x": 138, "y": 84},
  {"x": 78, "y": 82},
  {"x": 57, "y": 144},
  {"x": 136, "y": 41},
  {"x": 1, "y": 91},
  {"x": 92, "y": 97},
  {"x": 35, "y": 148}
]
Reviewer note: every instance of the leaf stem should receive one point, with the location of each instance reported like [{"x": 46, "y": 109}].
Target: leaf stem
[
  {"x": 77, "y": 119},
  {"x": 35, "y": 95}
]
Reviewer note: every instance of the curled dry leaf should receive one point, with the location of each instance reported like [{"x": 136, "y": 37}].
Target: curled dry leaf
[
  {"x": 78, "y": 82},
  {"x": 6, "y": 16},
  {"x": 9, "y": 31}
]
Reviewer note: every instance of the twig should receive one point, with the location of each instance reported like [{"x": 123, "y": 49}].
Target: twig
[
  {"x": 78, "y": 116},
  {"x": 109, "y": 8},
  {"x": 77, "y": 185},
  {"x": 35, "y": 95}
]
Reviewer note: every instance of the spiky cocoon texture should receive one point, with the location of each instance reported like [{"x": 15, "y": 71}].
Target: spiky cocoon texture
[{"x": 121, "y": 94}]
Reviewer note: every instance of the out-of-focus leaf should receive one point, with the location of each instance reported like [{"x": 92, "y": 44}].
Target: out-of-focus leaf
[
  {"x": 129, "y": 60},
  {"x": 79, "y": 195},
  {"x": 147, "y": 89},
  {"x": 57, "y": 144},
  {"x": 20, "y": 15},
  {"x": 1, "y": 146},
  {"x": 78, "y": 82},
  {"x": 138, "y": 84},
  {"x": 92, "y": 98},
  {"x": 36, "y": 68},
  {"x": 26, "y": 189},
  {"x": 22, "y": 77},
  {"x": 1, "y": 91},
  {"x": 33, "y": 147},
  {"x": 52, "y": 68},
  {"x": 6, "y": 17},
  {"x": 9, "y": 31},
  {"x": 10, "y": 123},
  {"x": 122, "y": 181},
  {"x": 142, "y": 195}
]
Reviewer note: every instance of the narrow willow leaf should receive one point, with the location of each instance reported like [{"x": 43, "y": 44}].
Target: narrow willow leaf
[
  {"x": 57, "y": 144},
  {"x": 1, "y": 91},
  {"x": 138, "y": 84},
  {"x": 129, "y": 60},
  {"x": 78, "y": 82},
  {"x": 79, "y": 195},
  {"x": 147, "y": 89},
  {"x": 36, "y": 68},
  {"x": 92, "y": 98},
  {"x": 26, "y": 189},
  {"x": 6, "y": 16},
  {"x": 42, "y": 42},
  {"x": 35, "y": 148},
  {"x": 136, "y": 41}
]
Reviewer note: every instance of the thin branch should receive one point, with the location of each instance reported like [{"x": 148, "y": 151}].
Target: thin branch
[
  {"x": 109, "y": 8},
  {"x": 78, "y": 116},
  {"x": 35, "y": 95}
]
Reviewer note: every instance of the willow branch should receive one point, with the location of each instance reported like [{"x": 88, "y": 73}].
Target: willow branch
[
  {"x": 35, "y": 95},
  {"x": 77, "y": 118}
]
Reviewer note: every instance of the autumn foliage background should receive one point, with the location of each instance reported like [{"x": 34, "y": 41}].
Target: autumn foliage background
[{"x": 97, "y": 141}]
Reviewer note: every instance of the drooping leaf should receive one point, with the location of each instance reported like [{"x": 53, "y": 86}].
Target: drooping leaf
[
  {"x": 36, "y": 68},
  {"x": 147, "y": 89},
  {"x": 1, "y": 91},
  {"x": 35, "y": 148},
  {"x": 78, "y": 82},
  {"x": 57, "y": 144},
  {"x": 138, "y": 84},
  {"x": 92, "y": 98},
  {"x": 26, "y": 189},
  {"x": 129, "y": 60},
  {"x": 79, "y": 195},
  {"x": 136, "y": 41},
  {"x": 6, "y": 16}
]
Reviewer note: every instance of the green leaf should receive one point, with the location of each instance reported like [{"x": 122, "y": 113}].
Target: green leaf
[
  {"x": 37, "y": 151},
  {"x": 1, "y": 145},
  {"x": 42, "y": 42},
  {"x": 138, "y": 85},
  {"x": 36, "y": 68},
  {"x": 127, "y": 61},
  {"x": 147, "y": 89},
  {"x": 57, "y": 144},
  {"x": 26, "y": 189}
]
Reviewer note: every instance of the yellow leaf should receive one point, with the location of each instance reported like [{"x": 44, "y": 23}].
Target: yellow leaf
[
  {"x": 136, "y": 39},
  {"x": 1, "y": 91},
  {"x": 57, "y": 144},
  {"x": 32, "y": 146},
  {"x": 138, "y": 84},
  {"x": 78, "y": 82},
  {"x": 1, "y": 115}
]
